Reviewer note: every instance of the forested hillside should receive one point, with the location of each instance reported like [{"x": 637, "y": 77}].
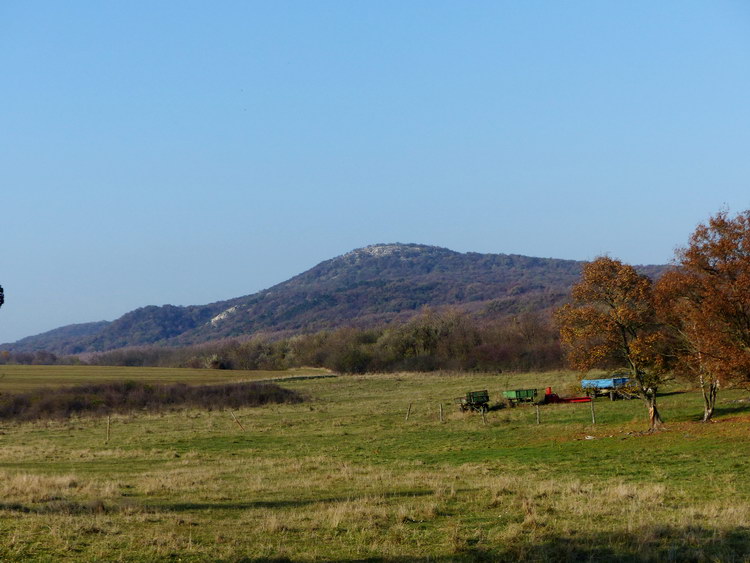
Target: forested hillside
[{"x": 366, "y": 287}]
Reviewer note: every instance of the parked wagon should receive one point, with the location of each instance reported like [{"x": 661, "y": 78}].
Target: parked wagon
[
  {"x": 612, "y": 386},
  {"x": 552, "y": 398},
  {"x": 516, "y": 396},
  {"x": 474, "y": 401}
]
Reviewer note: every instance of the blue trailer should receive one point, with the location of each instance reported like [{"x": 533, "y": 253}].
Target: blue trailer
[{"x": 611, "y": 386}]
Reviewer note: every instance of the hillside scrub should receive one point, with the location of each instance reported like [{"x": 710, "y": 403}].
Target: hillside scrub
[
  {"x": 431, "y": 341},
  {"x": 128, "y": 396}
]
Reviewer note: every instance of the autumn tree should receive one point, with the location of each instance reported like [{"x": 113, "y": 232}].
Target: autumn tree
[
  {"x": 611, "y": 323},
  {"x": 705, "y": 301}
]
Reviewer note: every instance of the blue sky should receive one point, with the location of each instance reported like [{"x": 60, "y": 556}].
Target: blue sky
[{"x": 187, "y": 152}]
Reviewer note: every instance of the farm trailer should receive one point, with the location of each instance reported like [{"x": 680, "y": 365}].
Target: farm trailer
[
  {"x": 612, "y": 386},
  {"x": 474, "y": 401},
  {"x": 516, "y": 396},
  {"x": 551, "y": 398}
]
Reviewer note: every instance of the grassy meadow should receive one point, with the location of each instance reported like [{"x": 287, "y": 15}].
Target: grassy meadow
[
  {"x": 343, "y": 476},
  {"x": 14, "y": 378}
]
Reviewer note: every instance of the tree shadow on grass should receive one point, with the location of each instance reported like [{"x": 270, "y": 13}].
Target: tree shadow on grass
[
  {"x": 670, "y": 393},
  {"x": 653, "y": 544},
  {"x": 59, "y": 506},
  {"x": 62, "y": 506},
  {"x": 293, "y": 503},
  {"x": 720, "y": 410}
]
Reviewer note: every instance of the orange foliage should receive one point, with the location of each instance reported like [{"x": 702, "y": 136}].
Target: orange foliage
[
  {"x": 707, "y": 297},
  {"x": 612, "y": 323},
  {"x": 706, "y": 302}
]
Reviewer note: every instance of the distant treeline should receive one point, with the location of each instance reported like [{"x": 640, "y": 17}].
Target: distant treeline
[{"x": 444, "y": 340}]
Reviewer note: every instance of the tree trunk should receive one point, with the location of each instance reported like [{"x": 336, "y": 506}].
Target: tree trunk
[
  {"x": 648, "y": 394},
  {"x": 654, "y": 418},
  {"x": 710, "y": 389}
]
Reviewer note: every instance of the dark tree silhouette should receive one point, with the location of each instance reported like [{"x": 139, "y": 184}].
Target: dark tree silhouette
[{"x": 2, "y": 296}]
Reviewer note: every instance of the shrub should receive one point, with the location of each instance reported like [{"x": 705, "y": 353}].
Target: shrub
[{"x": 129, "y": 396}]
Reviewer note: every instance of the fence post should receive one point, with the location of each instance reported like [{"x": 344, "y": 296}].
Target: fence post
[
  {"x": 537, "y": 414},
  {"x": 441, "y": 412},
  {"x": 593, "y": 415},
  {"x": 408, "y": 412},
  {"x": 237, "y": 421}
]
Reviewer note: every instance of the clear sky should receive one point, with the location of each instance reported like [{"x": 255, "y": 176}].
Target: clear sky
[{"x": 187, "y": 152}]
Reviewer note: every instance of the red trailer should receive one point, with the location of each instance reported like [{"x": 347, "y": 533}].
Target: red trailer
[{"x": 550, "y": 398}]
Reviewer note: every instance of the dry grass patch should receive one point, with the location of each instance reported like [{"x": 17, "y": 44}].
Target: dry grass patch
[{"x": 20, "y": 487}]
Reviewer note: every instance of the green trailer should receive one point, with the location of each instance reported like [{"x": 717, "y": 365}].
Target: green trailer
[
  {"x": 516, "y": 396},
  {"x": 474, "y": 401}
]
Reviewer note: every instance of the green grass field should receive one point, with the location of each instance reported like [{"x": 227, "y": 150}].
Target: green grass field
[
  {"x": 25, "y": 378},
  {"x": 343, "y": 476}
]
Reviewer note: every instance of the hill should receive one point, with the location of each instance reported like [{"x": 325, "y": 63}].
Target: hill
[
  {"x": 57, "y": 339},
  {"x": 365, "y": 287}
]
